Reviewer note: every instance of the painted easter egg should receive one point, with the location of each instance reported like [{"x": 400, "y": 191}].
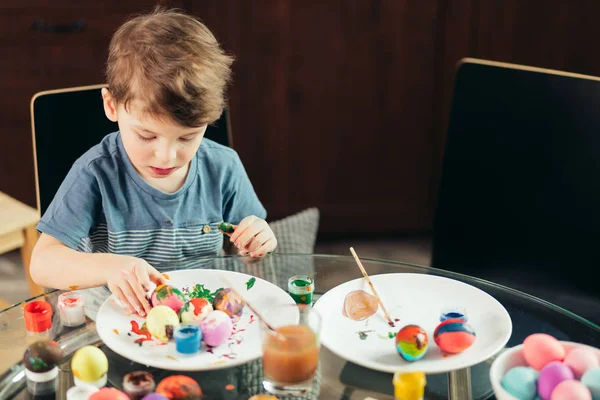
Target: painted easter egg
[
  {"x": 216, "y": 328},
  {"x": 453, "y": 336},
  {"x": 539, "y": 349},
  {"x": 412, "y": 342},
  {"x": 154, "y": 396},
  {"x": 580, "y": 360},
  {"x": 165, "y": 295},
  {"x": 109, "y": 394},
  {"x": 571, "y": 390},
  {"x": 161, "y": 321},
  {"x": 230, "y": 303},
  {"x": 179, "y": 387},
  {"x": 550, "y": 376},
  {"x": 89, "y": 364},
  {"x": 195, "y": 310},
  {"x": 42, "y": 356},
  {"x": 521, "y": 382},
  {"x": 591, "y": 379},
  {"x": 81, "y": 392}
]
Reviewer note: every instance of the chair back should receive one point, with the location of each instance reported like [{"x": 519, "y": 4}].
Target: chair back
[{"x": 520, "y": 185}]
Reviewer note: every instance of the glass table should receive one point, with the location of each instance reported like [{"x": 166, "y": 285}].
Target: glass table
[{"x": 338, "y": 379}]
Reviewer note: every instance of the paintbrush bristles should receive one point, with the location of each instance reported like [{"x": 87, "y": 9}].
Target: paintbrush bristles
[{"x": 362, "y": 269}]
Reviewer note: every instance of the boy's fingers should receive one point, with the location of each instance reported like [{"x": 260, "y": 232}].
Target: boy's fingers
[
  {"x": 246, "y": 222},
  {"x": 157, "y": 277},
  {"x": 129, "y": 293},
  {"x": 248, "y": 235},
  {"x": 267, "y": 247},
  {"x": 136, "y": 285},
  {"x": 257, "y": 241},
  {"x": 120, "y": 298}
]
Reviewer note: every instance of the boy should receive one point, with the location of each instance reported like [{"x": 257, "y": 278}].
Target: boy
[{"x": 150, "y": 197}]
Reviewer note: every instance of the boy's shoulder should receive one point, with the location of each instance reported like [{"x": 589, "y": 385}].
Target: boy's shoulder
[
  {"x": 105, "y": 150},
  {"x": 217, "y": 153},
  {"x": 210, "y": 146}
]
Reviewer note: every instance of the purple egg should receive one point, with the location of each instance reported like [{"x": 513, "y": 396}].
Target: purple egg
[
  {"x": 216, "y": 328},
  {"x": 550, "y": 376},
  {"x": 154, "y": 396}
]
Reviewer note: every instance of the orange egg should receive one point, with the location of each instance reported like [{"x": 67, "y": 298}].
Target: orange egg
[
  {"x": 109, "y": 394},
  {"x": 539, "y": 349}
]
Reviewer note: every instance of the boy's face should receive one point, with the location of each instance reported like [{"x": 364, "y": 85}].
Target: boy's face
[{"x": 160, "y": 150}]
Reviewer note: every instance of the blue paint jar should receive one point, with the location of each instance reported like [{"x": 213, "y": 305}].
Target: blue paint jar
[{"x": 187, "y": 338}]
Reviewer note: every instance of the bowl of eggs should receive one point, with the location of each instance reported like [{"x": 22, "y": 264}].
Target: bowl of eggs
[{"x": 547, "y": 369}]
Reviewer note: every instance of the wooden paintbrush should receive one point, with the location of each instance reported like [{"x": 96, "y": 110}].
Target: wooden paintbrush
[
  {"x": 248, "y": 304},
  {"x": 362, "y": 269}
]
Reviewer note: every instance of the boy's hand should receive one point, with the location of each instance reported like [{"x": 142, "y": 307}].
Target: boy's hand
[
  {"x": 130, "y": 282},
  {"x": 253, "y": 235}
]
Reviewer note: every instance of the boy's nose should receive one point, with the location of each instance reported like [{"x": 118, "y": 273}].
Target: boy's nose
[{"x": 166, "y": 154}]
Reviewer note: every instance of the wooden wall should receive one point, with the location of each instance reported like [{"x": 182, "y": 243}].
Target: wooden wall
[{"x": 337, "y": 104}]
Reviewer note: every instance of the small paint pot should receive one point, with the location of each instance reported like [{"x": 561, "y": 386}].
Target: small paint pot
[
  {"x": 187, "y": 338},
  {"x": 42, "y": 383},
  {"x": 70, "y": 307},
  {"x": 137, "y": 384},
  {"x": 301, "y": 288}
]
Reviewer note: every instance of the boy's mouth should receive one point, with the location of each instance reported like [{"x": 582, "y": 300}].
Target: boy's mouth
[{"x": 162, "y": 171}]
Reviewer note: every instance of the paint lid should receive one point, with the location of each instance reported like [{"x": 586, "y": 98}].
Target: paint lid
[
  {"x": 38, "y": 316},
  {"x": 301, "y": 284}
]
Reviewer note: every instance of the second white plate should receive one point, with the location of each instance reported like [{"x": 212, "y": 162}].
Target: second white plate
[{"x": 415, "y": 299}]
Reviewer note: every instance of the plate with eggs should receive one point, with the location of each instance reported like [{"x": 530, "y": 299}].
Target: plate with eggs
[
  {"x": 197, "y": 322},
  {"x": 418, "y": 322}
]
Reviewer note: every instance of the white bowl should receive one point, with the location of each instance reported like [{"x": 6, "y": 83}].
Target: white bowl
[{"x": 514, "y": 357}]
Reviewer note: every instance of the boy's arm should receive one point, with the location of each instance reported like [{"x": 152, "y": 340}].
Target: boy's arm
[{"x": 55, "y": 265}]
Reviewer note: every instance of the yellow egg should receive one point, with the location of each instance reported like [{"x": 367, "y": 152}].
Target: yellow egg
[
  {"x": 89, "y": 364},
  {"x": 158, "y": 319}
]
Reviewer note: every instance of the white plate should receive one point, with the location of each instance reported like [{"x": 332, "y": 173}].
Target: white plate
[
  {"x": 414, "y": 299},
  {"x": 113, "y": 325}
]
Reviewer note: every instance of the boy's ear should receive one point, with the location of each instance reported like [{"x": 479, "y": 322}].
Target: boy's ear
[{"x": 110, "y": 105}]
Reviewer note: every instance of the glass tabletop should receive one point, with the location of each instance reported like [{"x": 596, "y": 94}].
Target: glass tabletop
[{"x": 336, "y": 378}]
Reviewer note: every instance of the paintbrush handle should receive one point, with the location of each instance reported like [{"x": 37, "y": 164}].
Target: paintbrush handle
[
  {"x": 246, "y": 302},
  {"x": 362, "y": 269}
]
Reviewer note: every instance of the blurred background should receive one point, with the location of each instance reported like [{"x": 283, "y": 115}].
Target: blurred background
[{"x": 336, "y": 104}]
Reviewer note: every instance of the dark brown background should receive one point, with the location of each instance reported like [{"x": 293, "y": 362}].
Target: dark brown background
[{"x": 337, "y": 104}]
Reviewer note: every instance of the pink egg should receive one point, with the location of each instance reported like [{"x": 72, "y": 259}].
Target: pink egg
[
  {"x": 580, "y": 360},
  {"x": 165, "y": 295},
  {"x": 539, "y": 349},
  {"x": 109, "y": 394},
  {"x": 550, "y": 376},
  {"x": 216, "y": 328},
  {"x": 571, "y": 390}
]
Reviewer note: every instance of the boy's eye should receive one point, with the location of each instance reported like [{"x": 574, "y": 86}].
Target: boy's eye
[
  {"x": 189, "y": 139},
  {"x": 144, "y": 138}
]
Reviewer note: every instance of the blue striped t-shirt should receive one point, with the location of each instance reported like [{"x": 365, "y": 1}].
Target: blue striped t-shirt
[{"x": 105, "y": 206}]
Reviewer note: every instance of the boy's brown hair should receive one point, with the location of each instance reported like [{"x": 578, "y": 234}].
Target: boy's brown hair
[{"x": 171, "y": 65}]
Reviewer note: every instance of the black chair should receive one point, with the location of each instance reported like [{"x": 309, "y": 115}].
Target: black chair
[
  {"x": 68, "y": 122},
  {"x": 519, "y": 196}
]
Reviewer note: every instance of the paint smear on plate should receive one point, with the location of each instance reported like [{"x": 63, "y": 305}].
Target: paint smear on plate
[{"x": 359, "y": 305}]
